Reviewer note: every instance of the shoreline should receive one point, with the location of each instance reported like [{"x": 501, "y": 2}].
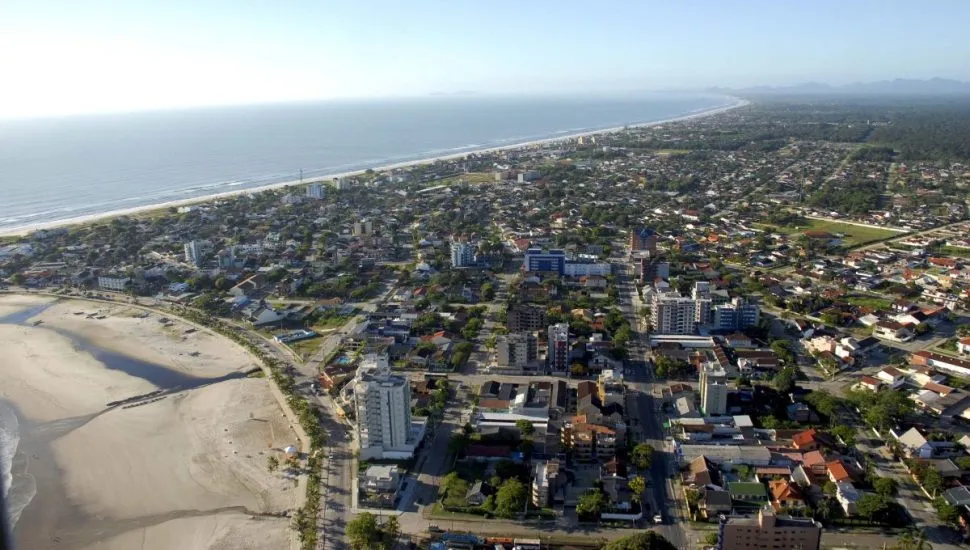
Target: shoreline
[{"x": 26, "y": 229}]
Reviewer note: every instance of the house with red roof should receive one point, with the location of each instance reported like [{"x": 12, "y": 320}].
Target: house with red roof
[{"x": 837, "y": 471}]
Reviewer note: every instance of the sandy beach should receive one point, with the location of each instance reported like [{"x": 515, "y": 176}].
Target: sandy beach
[
  {"x": 18, "y": 231},
  {"x": 187, "y": 471}
]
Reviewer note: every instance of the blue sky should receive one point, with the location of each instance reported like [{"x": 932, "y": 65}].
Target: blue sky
[{"x": 72, "y": 56}]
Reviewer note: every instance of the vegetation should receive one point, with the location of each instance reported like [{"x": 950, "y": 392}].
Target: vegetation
[
  {"x": 365, "y": 533},
  {"x": 647, "y": 540},
  {"x": 642, "y": 456}
]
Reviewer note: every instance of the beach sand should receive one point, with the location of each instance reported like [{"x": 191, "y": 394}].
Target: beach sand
[{"x": 187, "y": 471}]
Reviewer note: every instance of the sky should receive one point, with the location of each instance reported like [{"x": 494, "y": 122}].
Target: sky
[{"x": 70, "y": 56}]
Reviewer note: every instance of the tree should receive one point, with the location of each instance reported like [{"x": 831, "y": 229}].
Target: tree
[
  {"x": 591, "y": 503},
  {"x": 912, "y": 541},
  {"x": 830, "y": 488},
  {"x": 642, "y": 456},
  {"x": 885, "y": 486},
  {"x": 637, "y": 487},
  {"x": 362, "y": 531},
  {"x": 458, "y": 443},
  {"x": 510, "y": 498},
  {"x": 947, "y": 513},
  {"x": 783, "y": 349},
  {"x": 525, "y": 427},
  {"x": 455, "y": 490},
  {"x": 872, "y": 506},
  {"x": 649, "y": 540},
  {"x": 784, "y": 381},
  {"x": 963, "y": 462},
  {"x": 711, "y": 539},
  {"x": 845, "y": 433},
  {"x": 272, "y": 463},
  {"x": 391, "y": 530},
  {"x": 932, "y": 481}
]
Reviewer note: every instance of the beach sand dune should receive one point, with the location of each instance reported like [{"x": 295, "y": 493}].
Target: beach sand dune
[{"x": 187, "y": 471}]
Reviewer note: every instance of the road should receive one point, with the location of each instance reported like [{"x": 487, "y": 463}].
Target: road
[{"x": 650, "y": 418}]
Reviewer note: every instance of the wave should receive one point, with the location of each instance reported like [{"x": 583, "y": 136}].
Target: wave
[{"x": 16, "y": 493}]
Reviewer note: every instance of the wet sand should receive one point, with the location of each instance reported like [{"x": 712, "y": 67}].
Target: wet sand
[{"x": 187, "y": 471}]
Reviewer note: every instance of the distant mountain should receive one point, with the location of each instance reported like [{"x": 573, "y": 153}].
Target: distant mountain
[{"x": 899, "y": 86}]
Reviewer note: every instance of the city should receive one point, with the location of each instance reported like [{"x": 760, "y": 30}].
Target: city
[{"x": 741, "y": 330}]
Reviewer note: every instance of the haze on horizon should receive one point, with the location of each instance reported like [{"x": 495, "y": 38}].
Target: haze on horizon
[{"x": 65, "y": 57}]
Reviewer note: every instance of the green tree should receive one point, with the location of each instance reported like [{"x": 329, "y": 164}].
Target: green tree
[
  {"x": 846, "y": 433},
  {"x": 830, "y": 488},
  {"x": 872, "y": 506},
  {"x": 455, "y": 490},
  {"x": 363, "y": 531},
  {"x": 510, "y": 498},
  {"x": 932, "y": 481},
  {"x": 711, "y": 539},
  {"x": 963, "y": 462},
  {"x": 525, "y": 427},
  {"x": 591, "y": 503},
  {"x": 885, "y": 486},
  {"x": 637, "y": 487},
  {"x": 391, "y": 530},
  {"x": 947, "y": 513},
  {"x": 642, "y": 456},
  {"x": 784, "y": 381},
  {"x": 647, "y": 540}
]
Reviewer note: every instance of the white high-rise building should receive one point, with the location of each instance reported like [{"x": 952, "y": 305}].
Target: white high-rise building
[
  {"x": 462, "y": 254},
  {"x": 714, "y": 389},
  {"x": 671, "y": 313},
  {"x": 383, "y": 404},
  {"x": 193, "y": 253},
  {"x": 315, "y": 191}
]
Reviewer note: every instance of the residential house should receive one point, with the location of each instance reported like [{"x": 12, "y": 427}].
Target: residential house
[
  {"x": 892, "y": 330},
  {"x": 477, "y": 493},
  {"x": 714, "y": 503},
  {"x": 785, "y": 495},
  {"x": 847, "y": 495},
  {"x": 837, "y": 471},
  {"x": 747, "y": 494},
  {"x": 915, "y": 445},
  {"x": 891, "y": 376}
]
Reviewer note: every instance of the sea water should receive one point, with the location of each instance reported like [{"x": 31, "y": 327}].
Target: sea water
[{"x": 63, "y": 168}]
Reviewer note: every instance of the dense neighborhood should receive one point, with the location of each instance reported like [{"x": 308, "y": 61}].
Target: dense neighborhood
[{"x": 730, "y": 329}]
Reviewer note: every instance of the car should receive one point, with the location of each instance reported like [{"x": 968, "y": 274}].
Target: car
[{"x": 658, "y": 519}]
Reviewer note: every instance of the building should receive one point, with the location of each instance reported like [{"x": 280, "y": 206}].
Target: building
[
  {"x": 736, "y": 315},
  {"x": 193, "y": 253},
  {"x": 315, "y": 191},
  {"x": 555, "y": 261},
  {"x": 589, "y": 441},
  {"x": 517, "y": 350},
  {"x": 381, "y": 478},
  {"x": 546, "y": 483},
  {"x": 671, "y": 313},
  {"x": 643, "y": 239},
  {"x": 383, "y": 405},
  {"x": 537, "y": 260},
  {"x": 650, "y": 269},
  {"x": 462, "y": 254},
  {"x": 558, "y": 354},
  {"x": 117, "y": 284},
  {"x": 769, "y": 531},
  {"x": 714, "y": 389},
  {"x": 891, "y": 330},
  {"x": 526, "y": 318},
  {"x": 363, "y": 227}
]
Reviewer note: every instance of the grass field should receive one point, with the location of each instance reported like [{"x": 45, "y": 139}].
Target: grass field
[
  {"x": 854, "y": 234},
  {"x": 869, "y": 301}
]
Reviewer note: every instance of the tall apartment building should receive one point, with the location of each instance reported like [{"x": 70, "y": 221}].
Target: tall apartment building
[
  {"x": 537, "y": 260},
  {"x": 526, "y": 318},
  {"x": 649, "y": 269},
  {"x": 714, "y": 389},
  {"x": 517, "y": 350},
  {"x": 769, "y": 531},
  {"x": 643, "y": 239},
  {"x": 193, "y": 253},
  {"x": 315, "y": 191},
  {"x": 462, "y": 254},
  {"x": 671, "y": 313},
  {"x": 558, "y": 354},
  {"x": 735, "y": 315},
  {"x": 363, "y": 227},
  {"x": 383, "y": 405}
]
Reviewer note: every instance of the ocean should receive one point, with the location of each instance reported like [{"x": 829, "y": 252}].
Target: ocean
[{"x": 64, "y": 168}]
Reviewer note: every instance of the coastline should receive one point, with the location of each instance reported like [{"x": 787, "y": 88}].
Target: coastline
[
  {"x": 26, "y": 229},
  {"x": 200, "y": 451}
]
